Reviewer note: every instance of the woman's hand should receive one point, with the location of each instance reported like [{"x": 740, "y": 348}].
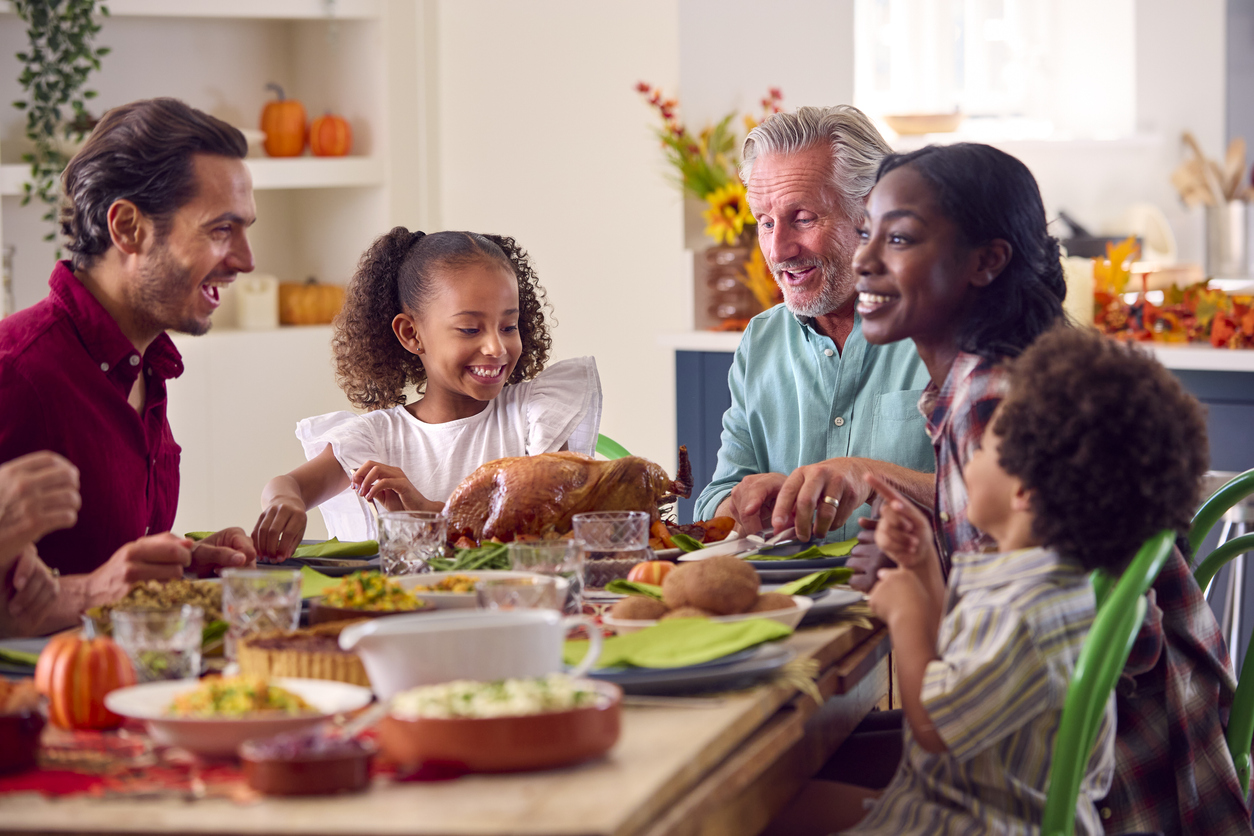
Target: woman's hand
[
  {"x": 32, "y": 594},
  {"x": 38, "y": 494},
  {"x": 866, "y": 559},
  {"x": 280, "y": 528},
  {"x": 389, "y": 486}
]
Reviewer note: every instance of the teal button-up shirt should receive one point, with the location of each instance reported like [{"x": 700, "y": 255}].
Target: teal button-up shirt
[{"x": 796, "y": 400}]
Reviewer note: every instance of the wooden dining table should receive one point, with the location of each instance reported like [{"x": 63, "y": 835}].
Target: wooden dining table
[{"x": 721, "y": 763}]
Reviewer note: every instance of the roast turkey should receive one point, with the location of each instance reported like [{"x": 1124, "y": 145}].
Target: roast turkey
[{"x": 537, "y": 495}]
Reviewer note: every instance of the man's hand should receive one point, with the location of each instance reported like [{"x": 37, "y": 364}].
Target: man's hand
[
  {"x": 389, "y": 485},
  {"x": 866, "y": 559},
  {"x": 159, "y": 557},
  {"x": 280, "y": 528},
  {"x": 38, "y": 494},
  {"x": 751, "y": 500},
  {"x": 225, "y": 549},
  {"x": 802, "y": 495},
  {"x": 33, "y": 591}
]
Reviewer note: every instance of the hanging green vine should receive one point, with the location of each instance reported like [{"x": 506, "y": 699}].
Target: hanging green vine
[{"x": 55, "y": 68}]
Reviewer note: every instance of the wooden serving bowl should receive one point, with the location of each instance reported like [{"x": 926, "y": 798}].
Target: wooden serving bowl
[
  {"x": 320, "y": 613},
  {"x": 346, "y": 769},
  {"x": 507, "y": 744}
]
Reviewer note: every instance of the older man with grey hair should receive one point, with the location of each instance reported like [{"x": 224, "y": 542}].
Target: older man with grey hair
[{"x": 815, "y": 407}]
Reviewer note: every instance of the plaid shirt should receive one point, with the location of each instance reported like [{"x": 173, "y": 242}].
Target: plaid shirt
[
  {"x": 1173, "y": 771},
  {"x": 956, "y": 415}
]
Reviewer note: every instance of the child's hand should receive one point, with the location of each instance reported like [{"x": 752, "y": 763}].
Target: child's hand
[
  {"x": 903, "y": 532},
  {"x": 389, "y": 486},
  {"x": 899, "y": 594},
  {"x": 279, "y": 529}
]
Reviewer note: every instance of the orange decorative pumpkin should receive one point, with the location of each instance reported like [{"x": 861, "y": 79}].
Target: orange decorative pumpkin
[
  {"x": 310, "y": 303},
  {"x": 75, "y": 671},
  {"x": 283, "y": 122},
  {"x": 330, "y": 136}
]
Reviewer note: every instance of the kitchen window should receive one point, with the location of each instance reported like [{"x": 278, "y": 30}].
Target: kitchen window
[{"x": 1016, "y": 69}]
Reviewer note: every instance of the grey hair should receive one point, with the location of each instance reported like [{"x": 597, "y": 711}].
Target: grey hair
[{"x": 857, "y": 147}]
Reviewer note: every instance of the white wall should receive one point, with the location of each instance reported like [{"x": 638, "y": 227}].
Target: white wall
[{"x": 542, "y": 136}]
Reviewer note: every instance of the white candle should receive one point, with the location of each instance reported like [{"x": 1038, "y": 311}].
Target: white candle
[{"x": 258, "y": 302}]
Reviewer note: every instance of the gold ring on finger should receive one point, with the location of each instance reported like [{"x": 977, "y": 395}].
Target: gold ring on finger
[{"x": 832, "y": 501}]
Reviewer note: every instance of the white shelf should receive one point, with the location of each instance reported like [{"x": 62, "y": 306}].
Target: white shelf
[
  {"x": 256, "y": 9},
  {"x": 315, "y": 172},
  {"x": 294, "y": 173}
]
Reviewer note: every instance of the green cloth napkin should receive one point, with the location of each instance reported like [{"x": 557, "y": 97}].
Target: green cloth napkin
[
  {"x": 327, "y": 548},
  {"x": 334, "y": 548},
  {"x": 18, "y": 657},
  {"x": 817, "y": 582},
  {"x": 313, "y": 584},
  {"x": 678, "y": 642},
  {"x": 839, "y": 549},
  {"x": 622, "y": 587}
]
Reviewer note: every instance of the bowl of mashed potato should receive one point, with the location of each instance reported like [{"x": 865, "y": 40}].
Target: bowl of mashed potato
[{"x": 510, "y": 725}]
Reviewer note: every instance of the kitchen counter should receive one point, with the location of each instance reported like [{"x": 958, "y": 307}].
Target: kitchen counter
[
  {"x": 1222, "y": 379},
  {"x": 1193, "y": 357}
]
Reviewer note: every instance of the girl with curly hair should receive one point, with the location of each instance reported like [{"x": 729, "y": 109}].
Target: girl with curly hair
[{"x": 459, "y": 316}]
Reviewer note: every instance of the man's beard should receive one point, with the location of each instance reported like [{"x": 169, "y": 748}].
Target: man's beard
[
  {"x": 836, "y": 289},
  {"x": 160, "y": 300}
]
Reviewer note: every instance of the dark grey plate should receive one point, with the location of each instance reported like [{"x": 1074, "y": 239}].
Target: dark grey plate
[
  {"x": 808, "y": 565},
  {"x": 13, "y": 669},
  {"x": 760, "y": 662}
]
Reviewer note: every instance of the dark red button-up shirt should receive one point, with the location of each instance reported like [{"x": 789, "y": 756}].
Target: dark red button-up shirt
[{"x": 65, "y": 372}]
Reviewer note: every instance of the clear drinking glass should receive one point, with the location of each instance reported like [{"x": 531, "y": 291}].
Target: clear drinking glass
[
  {"x": 408, "y": 539},
  {"x": 614, "y": 541},
  {"x": 541, "y": 592},
  {"x": 557, "y": 558},
  {"x": 162, "y": 644},
  {"x": 258, "y": 600}
]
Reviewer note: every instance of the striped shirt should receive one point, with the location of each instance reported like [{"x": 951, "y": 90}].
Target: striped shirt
[{"x": 1008, "y": 647}]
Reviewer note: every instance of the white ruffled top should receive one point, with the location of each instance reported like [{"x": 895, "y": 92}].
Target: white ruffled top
[{"x": 560, "y": 406}]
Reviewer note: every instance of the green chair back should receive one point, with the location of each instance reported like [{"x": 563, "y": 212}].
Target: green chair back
[
  {"x": 610, "y": 448},
  {"x": 1241, "y": 715},
  {"x": 1120, "y": 611}
]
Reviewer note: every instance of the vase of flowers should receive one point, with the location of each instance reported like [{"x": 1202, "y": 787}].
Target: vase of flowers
[{"x": 706, "y": 165}]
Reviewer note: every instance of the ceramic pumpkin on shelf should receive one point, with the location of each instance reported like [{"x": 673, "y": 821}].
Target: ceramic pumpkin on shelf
[
  {"x": 310, "y": 303},
  {"x": 330, "y": 136},
  {"x": 75, "y": 670},
  {"x": 283, "y": 122}
]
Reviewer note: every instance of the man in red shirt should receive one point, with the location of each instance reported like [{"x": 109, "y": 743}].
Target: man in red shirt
[{"x": 157, "y": 207}]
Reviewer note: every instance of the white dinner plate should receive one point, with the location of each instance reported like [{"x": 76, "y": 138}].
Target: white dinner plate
[
  {"x": 790, "y": 617},
  {"x": 452, "y": 600},
  {"x": 220, "y": 737}
]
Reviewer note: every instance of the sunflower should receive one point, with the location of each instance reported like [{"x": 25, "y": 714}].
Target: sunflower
[{"x": 728, "y": 213}]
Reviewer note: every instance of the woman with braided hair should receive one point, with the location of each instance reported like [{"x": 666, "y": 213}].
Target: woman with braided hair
[{"x": 460, "y": 317}]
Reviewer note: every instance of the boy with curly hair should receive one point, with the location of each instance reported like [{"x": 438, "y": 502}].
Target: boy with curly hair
[{"x": 1095, "y": 448}]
